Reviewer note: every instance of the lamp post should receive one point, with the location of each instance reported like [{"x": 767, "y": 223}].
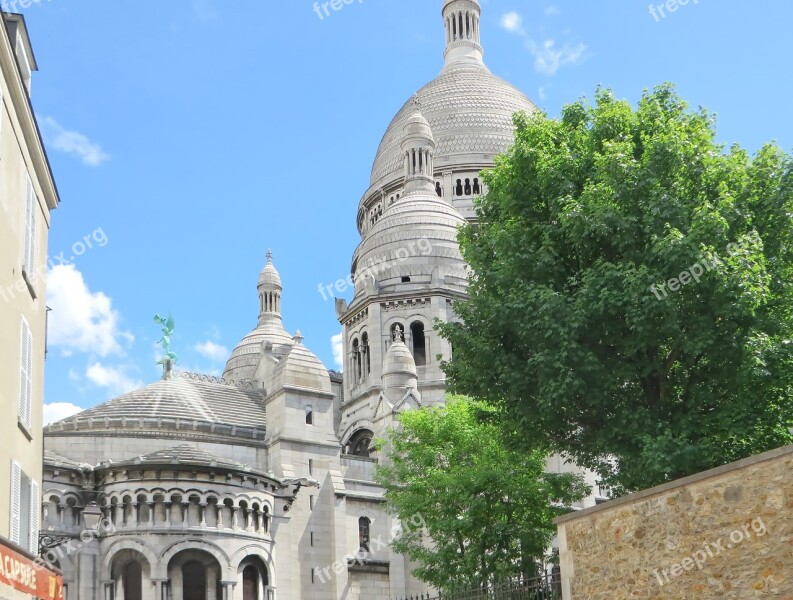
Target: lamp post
[{"x": 92, "y": 515}]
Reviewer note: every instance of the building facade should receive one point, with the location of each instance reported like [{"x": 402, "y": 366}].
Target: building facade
[
  {"x": 260, "y": 484},
  {"x": 27, "y": 195}
]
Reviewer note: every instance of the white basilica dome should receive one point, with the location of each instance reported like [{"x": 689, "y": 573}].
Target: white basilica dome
[{"x": 470, "y": 111}]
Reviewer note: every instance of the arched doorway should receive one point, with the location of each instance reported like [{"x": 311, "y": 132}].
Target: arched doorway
[
  {"x": 194, "y": 576},
  {"x": 133, "y": 581},
  {"x": 253, "y": 574},
  {"x": 130, "y": 572},
  {"x": 250, "y": 583}
]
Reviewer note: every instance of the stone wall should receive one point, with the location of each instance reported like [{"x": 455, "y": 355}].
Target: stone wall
[{"x": 725, "y": 533}]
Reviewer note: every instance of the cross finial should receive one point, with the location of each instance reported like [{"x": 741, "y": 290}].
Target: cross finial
[
  {"x": 416, "y": 102},
  {"x": 398, "y": 334},
  {"x": 269, "y": 257}
]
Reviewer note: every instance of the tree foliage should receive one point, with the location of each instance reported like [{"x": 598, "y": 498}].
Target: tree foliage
[
  {"x": 487, "y": 507},
  {"x": 562, "y": 328}
]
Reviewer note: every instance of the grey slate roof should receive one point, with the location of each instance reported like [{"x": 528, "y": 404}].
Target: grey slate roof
[
  {"x": 184, "y": 399},
  {"x": 56, "y": 460},
  {"x": 185, "y": 454}
]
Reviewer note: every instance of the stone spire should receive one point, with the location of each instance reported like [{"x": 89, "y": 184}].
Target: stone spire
[
  {"x": 463, "y": 42},
  {"x": 418, "y": 148},
  {"x": 270, "y": 290}
]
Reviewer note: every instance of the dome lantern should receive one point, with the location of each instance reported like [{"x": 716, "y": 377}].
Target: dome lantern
[
  {"x": 270, "y": 290},
  {"x": 418, "y": 148},
  {"x": 463, "y": 42}
]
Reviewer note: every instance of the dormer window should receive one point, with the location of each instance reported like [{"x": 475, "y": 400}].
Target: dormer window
[{"x": 24, "y": 65}]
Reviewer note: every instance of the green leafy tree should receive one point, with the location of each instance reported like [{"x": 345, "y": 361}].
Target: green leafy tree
[
  {"x": 631, "y": 293},
  {"x": 487, "y": 507}
]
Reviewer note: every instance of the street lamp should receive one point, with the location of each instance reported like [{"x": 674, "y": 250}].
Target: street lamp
[{"x": 92, "y": 515}]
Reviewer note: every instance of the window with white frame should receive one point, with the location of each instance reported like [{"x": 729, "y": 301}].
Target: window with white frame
[
  {"x": 24, "y": 526},
  {"x": 25, "y": 375},
  {"x": 29, "y": 259}
]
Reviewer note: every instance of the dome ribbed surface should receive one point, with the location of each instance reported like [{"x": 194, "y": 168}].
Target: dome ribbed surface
[
  {"x": 183, "y": 399},
  {"x": 396, "y": 244},
  {"x": 185, "y": 454},
  {"x": 470, "y": 111},
  {"x": 245, "y": 357}
]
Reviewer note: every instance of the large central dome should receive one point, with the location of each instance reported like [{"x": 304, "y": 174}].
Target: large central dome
[{"x": 470, "y": 111}]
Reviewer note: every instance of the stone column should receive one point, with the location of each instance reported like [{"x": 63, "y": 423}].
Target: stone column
[
  {"x": 151, "y": 506},
  {"x": 219, "y": 509},
  {"x": 202, "y": 508},
  {"x": 234, "y": 517},
  {"x": 185, "y": 514}
]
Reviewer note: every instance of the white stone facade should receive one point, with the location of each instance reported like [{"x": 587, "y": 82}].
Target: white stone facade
[{"x": 263, "y": 488}]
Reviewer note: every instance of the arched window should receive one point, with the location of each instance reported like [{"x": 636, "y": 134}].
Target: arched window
[
  {"x": 459, "y": 189},
  {"x": 133, "y": 581},
  {"x": 356, "y": 361},
  {"x": 438, "y": 189},
  {"x": 467, "y": 187},
  {"x": 419, "y": 343},
  {"x": 477, "y": 189},
  {"x": 250, "y": 583},
  {"x": 360, "y": 443},
  {"x": 194, "y": 577},
  {"x": 367, "y": 359},
  {"x": 364, "y": 526},
  {"x": 309, "y": 415}
]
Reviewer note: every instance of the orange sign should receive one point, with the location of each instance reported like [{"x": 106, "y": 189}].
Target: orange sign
[{"x": 25, "y": 575}]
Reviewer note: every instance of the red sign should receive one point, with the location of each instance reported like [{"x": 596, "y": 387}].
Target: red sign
[{"x": 25, "y": 575}]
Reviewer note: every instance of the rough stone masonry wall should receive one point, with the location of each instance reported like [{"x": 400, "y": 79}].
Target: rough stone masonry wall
[{"x": 725, "y": 533}]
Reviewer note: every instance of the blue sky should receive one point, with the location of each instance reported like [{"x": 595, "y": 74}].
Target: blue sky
[{"x": 187, "y": 137}]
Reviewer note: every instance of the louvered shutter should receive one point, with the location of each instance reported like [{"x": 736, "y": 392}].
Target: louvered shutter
[
  {"x": 30, "y": 229},
  {"x": 16, "y": 495},
  {"x": 25, "y": 374},
  {"x": 35, "y": 511}
]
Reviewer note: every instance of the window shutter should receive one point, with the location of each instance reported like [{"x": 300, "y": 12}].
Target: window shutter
[
  {"x": 35, "y": 511},
  {"x": 25, "y": 374},
  {"x": 16, "y": 494},
  {"x": 33, "y": 210},
  {"x": 30, "y": 229}
]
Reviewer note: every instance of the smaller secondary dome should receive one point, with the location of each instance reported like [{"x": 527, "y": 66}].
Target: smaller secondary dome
[
  {"x": 417, "y": 127},
  {"x": 269, "y": 275},
  {"x": 399, "y": 367},
  {"x": 301, "y": 368}
]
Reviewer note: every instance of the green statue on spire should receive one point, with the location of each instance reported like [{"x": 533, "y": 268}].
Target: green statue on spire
[{"x": 169, "y": 359}]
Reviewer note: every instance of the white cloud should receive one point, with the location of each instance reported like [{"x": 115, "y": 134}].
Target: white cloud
[
  {"x": 57, "y": 411},
  {"x": 73, "y": 142},
  {"x": 337, "y": 343},
  {"x": 512, "y": 22},
  {"x": 115, "y": 379},
  {"x": 82, "y": 320},
  {"x": 542, "y": 93},
  {"x": 205, "y": 11},
  {"x": 548, "y": 59},
  {"x": 212, "y": 351},
  {"x": 551, "y": 11}
]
